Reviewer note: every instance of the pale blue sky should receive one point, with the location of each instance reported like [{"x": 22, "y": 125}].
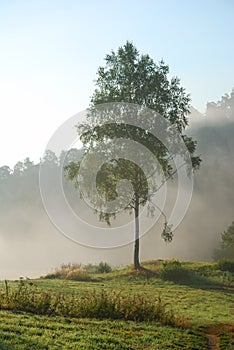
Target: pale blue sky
[{"x": 50, "y": 51}]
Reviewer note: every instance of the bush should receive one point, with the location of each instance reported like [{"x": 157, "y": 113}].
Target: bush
[
  {"x": 90, "y": 268},
  {"x": 172, "y": 270},
  {"x": 66, "y": 269},
  {"x": 78, "y": 275},
  {"x": 225, "y": 265},
  {"x": 78, "y": 272},
  {"x": 103, "y": 267}
]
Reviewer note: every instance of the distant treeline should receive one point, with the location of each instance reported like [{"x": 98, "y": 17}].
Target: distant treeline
[{"x": 20, "y": 200}]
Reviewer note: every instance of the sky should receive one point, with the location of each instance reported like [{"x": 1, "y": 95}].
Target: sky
[{"x": 50, "y": 52}]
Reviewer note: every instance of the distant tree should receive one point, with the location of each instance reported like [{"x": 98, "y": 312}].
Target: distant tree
[
  {"x": 19, "y": 192},
  {"x": 226, "y": 249},
  {"x": 224, "y": 108},
  {"x": 103, "y": 267},
  {"x": 28, "y": 164},
  {"x": 73, "y": 155},
  {"x": 21, "y": 167},
  {"x": 5, "y": 172},
  {"x": 50, "y": 159},
  {"x": 133, "y": 78},
  {"x": 18, "y": 169},
  {"x": 228, "y": 237}
]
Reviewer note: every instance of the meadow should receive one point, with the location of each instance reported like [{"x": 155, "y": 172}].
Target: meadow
[{"x": 166, "y": 305}]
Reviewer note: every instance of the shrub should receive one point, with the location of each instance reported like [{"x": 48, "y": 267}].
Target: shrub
[
  {"x": 225, "y": 265},
  {"x": 78, "y": 275},
  {"x": 103, "y": 267},
  {"x": 78, "y": 272},
  {"x": 63, "y": 271},
  {"x": 172, "y": 270},
  {"x": 90, "y": 268},
  {"x": 56, "y": 274}
]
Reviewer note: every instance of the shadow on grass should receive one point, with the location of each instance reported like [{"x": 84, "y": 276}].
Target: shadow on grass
[
  {"x": 202, "y": 282},
  {"x": 191, "y": 279},
  {"x": 4, "y": 346},
  {"x": 141, "y": 273}
]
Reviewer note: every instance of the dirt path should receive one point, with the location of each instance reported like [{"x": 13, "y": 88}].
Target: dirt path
[
  {"x": 212, "y": 334},
  {"x": 213, "y": 342}
]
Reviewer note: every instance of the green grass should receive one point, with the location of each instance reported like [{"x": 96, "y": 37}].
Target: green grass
[
  {"x": 22, "y": 331},
  {"x": 204, "y": 299}
]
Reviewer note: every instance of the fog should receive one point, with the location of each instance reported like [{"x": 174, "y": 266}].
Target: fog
[{"x": 30, "y": 245}]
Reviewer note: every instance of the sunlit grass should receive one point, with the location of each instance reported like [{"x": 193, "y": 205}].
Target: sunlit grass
[
  {"x": 204, "y": 300},
  {"x": 28, "y": 332}
]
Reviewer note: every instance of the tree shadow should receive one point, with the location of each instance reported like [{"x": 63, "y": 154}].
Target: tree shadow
[
  {"x": 145, "y": 273},
  {"x": 191, "y": 279},
  {"x": 204, "y": 282}
]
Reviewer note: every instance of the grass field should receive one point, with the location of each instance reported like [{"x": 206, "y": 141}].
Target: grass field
[{"x": 204, "y": 301}]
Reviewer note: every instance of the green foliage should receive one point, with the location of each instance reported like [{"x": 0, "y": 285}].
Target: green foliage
[
  {"x": 134, "y": 78},
  {"x": 226, "y": 249},
  {"x": 226, "y": 265},
  {"x": 167, "y": 233},
  {"x": 103, "y": 267},
  {"x": 172, "y": 270}
]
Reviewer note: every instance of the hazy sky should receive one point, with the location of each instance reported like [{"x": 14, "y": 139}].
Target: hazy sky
[{"x": 50, "y": 52}]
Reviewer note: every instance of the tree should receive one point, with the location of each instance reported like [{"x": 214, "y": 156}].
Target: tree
[
  {"x": 50, "y": 159},
  {"x": 224, "y": 108},
  {"x": 18, "y": 169},
  {"x": 226, "y": 249},
  {"x": 28, "y": 164},
  {"x": 73, "y": 155},
  {"x": 228, "y": 237},
  {"x": 5, "y": 172},
  {"x": 133, "y": 79},
  {"x": 21, "y": 167}
]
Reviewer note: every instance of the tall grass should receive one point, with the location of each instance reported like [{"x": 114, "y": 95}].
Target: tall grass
[
  {"x": 103, "y": 304},
  {"x": 79, "y": 272}
]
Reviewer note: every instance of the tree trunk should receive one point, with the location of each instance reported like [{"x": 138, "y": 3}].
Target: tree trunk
[{"x": 136, "y": 247}]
